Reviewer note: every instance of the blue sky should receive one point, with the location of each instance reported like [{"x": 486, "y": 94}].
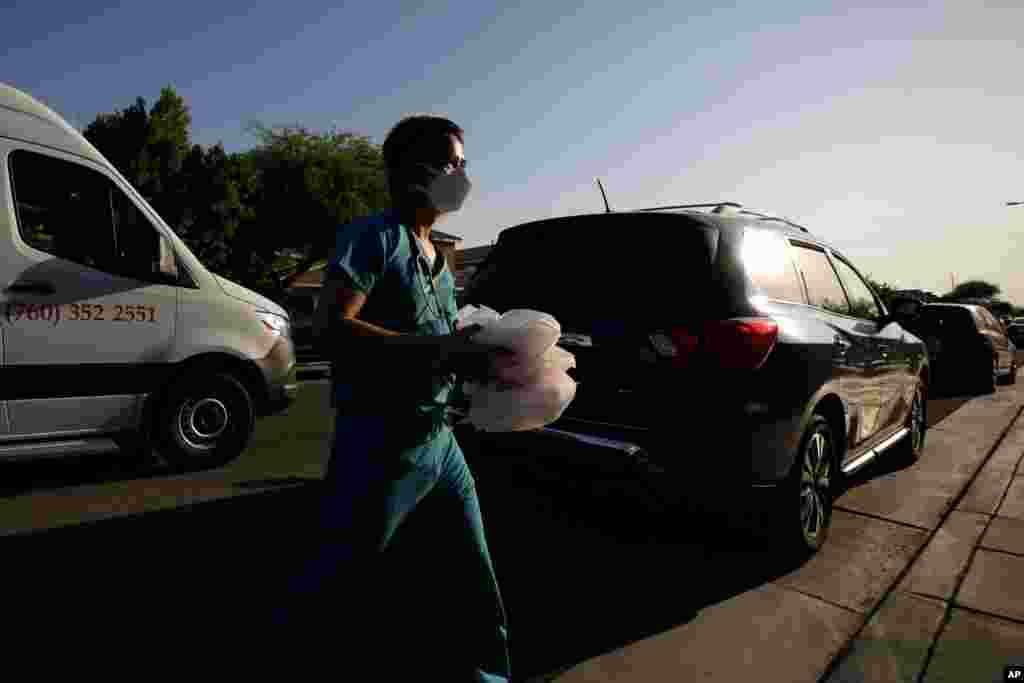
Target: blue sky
[{"x": 894, "y": 131}]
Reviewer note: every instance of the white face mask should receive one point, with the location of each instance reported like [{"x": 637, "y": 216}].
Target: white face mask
[
  {"x": 444, "y": 191},
  {"x": 447, "y": 192}
]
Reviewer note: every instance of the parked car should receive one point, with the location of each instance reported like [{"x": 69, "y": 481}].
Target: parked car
[
  {"x": 1016, "y": 334},
  {"x": 967, "y": 345},
  {"x": 736, "y": 349},
  {"x": 302, "y": 309}
]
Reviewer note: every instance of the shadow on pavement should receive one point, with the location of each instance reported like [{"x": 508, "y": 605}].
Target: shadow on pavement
[
  {"x": 17, "y": 478},
  {"x": 588, "y": 561}
]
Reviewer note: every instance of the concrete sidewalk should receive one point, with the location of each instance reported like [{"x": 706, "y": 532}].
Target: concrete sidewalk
[{"x": 923, "y": 572}]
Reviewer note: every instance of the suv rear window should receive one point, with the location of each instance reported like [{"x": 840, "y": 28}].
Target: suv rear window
[
  {"x": 947, "y": 319},
  {"x": 607, "y": 267}
]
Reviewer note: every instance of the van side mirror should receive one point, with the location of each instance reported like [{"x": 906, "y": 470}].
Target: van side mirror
[{"x": 167, "y": 264}]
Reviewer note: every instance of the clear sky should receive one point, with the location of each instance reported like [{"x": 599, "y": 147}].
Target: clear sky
[{"x": 895, "y": 132}]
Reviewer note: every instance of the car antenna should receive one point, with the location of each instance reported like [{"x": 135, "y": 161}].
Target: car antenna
[{"x": 607, "y": 209}]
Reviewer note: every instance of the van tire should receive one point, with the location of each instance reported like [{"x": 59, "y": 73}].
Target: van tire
[{"x": 206, "y": 421}]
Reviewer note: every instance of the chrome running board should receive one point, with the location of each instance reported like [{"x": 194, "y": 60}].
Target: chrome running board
[
  {"x": 630, "y": 449},
  {"x": 862, "y": 460}
]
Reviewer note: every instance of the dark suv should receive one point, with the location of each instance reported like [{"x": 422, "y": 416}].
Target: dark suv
[{"x": 735, "y": 347}]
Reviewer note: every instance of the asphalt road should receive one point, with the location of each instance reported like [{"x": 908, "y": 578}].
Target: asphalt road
[{"x": 588, "y": 559}]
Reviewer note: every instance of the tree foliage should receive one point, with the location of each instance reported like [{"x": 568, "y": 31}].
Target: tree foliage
[
  {"x": 974, "y": 289},
  {"x": 310, "y": 183},
  {"x": 259, "y": 217},
  {"x": 882, "y": 289}
]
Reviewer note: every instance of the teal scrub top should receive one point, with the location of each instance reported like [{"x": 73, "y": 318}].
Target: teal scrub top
[{"x": 377, "y": 256}]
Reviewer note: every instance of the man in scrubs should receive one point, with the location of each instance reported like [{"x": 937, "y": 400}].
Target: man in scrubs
[{"x": 389, "y": 313}]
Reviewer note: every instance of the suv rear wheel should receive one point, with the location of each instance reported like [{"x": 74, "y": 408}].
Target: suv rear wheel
[{"x": 802, "y": 512}]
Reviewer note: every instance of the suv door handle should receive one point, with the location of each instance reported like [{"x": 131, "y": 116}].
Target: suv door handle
[{"x": 31, "y": 288}]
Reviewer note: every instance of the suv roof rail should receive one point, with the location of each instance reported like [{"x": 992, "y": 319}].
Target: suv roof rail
[
  {"x": 766, "y": 217},
  {"x": 732, "y": 208},
  {"x": 715, "y": 205}
]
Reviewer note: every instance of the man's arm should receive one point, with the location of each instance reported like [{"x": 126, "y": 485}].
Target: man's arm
[{"x": 341, "y": 306}]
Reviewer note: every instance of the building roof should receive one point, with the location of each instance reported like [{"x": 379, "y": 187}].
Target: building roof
[
  {"x": 473, "y": 255},
  {"x": 438, "y": 236},
  {"x": 466, "y": 262}
]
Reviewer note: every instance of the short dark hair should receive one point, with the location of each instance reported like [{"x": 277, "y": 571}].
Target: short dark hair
[{"x": 419, "y": 138}]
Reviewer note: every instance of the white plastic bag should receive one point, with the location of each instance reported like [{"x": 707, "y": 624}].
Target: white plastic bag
[
  {"x": 522, "y": 372},
  {"x": 528, "y": 390},
  {"x": 497, "y": 407},
  {"x": 528, "y": 333},
  {"x": 475, "y": 315}
]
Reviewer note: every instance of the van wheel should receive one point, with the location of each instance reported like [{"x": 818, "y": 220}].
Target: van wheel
[
  {"x": 802, "y": 510},
  {"x": 206, "y": 421}
]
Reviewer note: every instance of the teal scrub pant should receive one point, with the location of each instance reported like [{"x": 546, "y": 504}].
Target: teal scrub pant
[{"x": 435, "y": 610}]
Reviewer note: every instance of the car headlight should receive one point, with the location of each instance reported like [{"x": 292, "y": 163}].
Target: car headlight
[{"x": 276, "y": 325}]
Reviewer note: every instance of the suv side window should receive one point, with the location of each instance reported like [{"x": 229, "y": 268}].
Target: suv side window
[
  {"x": 78, "y": 214},
  {"x": 766, "y": 259},
  {"x": 823, "y": 288},
  {"x": 62, "y": 209},
  {"x": 862, "y": 301}
]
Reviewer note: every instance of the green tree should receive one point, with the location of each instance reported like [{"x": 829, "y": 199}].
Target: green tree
[
  {"x": 883, "y": 289},
  {"x": 973, "y": 289},
  {"x": 260, "y": 217},
  {"x": 121, "y": 137},
  {"x": 309, "y": 183},
  {"x": 167, "y": 142}
]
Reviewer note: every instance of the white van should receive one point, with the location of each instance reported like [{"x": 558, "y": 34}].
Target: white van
[{"x": 114, "y": 335}]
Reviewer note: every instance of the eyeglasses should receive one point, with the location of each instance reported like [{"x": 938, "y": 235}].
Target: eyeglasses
[{"x": 452, "y": 166}]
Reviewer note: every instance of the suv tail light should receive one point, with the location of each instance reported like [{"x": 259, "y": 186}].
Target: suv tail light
[{"x": 733, "y": 344}]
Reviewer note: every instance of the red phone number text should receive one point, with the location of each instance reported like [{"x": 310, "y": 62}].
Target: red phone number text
[{"x": 57, "y": 313}]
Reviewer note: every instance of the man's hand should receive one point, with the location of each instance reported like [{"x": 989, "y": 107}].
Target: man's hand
[{"x": 463, "y": 356}]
